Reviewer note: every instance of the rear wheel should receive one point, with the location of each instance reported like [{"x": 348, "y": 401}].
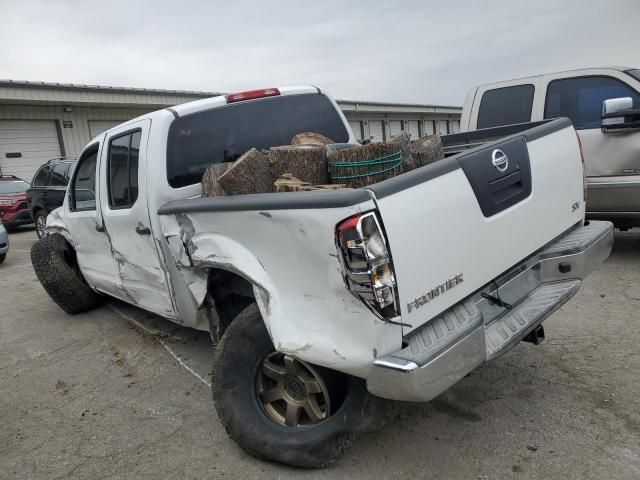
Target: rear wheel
[
  {"x": 40, "y": 220},
  {"x": 55, "y": 264},
  {"x": 278, "y": 407},
  {"x": 2, "y": 257}
]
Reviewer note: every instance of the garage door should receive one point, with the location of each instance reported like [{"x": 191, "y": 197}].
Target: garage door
[
  {"x": 443, "y": 128},
  {"x": 356, "y": 126},
  {"x": 96, "y": 127},
  {"x": 376, "y": 131},
  {"x": 427, "y": 126},
  {"x": 27, "y": 144},
  {"x": 395, "y": 128},
  {"x": 413, "y": 129},
  {"x": 455, "y": 126}
]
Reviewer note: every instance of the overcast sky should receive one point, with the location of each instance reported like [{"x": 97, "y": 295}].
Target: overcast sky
[{"x": 403, "y": 51}]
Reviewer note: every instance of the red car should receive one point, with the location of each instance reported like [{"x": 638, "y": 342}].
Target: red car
[{"x": 13, "y": 201}]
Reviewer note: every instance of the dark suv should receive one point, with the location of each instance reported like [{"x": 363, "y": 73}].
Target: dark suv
[{"x": 47, "y": 190}]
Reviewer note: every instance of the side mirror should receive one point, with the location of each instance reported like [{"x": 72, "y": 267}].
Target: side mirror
[{"x": 618, "y": 114}]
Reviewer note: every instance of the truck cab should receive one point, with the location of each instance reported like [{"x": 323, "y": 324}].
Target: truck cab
[{"x": 612, "y": 155}]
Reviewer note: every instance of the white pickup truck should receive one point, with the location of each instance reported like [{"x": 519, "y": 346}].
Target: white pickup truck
[
  {"x": 315, "y": 299},
  {"x": 604, "y": 106}
]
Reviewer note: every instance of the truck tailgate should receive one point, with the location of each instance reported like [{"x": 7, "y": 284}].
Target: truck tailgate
[{"x": 454, "y": 226}]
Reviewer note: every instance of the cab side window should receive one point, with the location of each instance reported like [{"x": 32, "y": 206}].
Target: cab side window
[
  {"x": 41, "y": 178},
  {"x": 581, "y": 98},
  {"x": 123, "y": 170},
  {"x": 504, "y": 106},
  {"x": 83, "y": 189}
]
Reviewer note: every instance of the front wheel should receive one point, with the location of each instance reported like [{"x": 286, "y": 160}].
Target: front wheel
[
  {"x": 280, "y": 408},
  {"x": 55, "y": 264}
]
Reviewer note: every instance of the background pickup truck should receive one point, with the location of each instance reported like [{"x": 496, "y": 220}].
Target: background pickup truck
[
  {"x": 315, "y": 299},
  {"x": 604, "y": 106}
]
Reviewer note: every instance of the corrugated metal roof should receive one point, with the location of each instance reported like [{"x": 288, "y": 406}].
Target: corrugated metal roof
[
  {"x": 80, "y": 86},
  {"x": 396, "y": 104},
  {"x": 190, "y": 93}
]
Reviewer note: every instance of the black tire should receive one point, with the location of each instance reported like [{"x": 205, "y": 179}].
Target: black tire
[
  {"x": 55, "y": 264},
  {"x": 3, "y": 256},
  {"x": 40, "y": 220},
  {"x": 238, "y": 356}
]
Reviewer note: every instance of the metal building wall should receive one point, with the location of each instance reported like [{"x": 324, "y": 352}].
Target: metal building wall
[{"x": 74, "y": 139}]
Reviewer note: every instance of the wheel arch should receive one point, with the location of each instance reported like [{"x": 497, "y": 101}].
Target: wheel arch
[
  {"x": 235, "y": 277},
  {"x": 228, "y": 294},
  {"x": 35, "y": 209},
  {"x": 56, "y": 224}
]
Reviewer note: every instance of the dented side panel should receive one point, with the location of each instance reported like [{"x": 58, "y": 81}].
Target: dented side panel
[
  {"x": 290, "y": 258},
  {"x": 141, "y": 275}
]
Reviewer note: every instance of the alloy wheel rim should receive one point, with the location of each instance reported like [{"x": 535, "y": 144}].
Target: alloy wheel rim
[
  {"x": 291, "y": 392},
  {"x": 40, "y": 224}
]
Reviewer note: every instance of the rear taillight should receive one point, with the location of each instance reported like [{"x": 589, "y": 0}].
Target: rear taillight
[
  {"x": 584, "y": 172},
  {"x": 252, "y": 94},
  {"x": 366, "y": 262}
]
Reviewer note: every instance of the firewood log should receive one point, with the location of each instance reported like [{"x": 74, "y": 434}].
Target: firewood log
[
  {"x": 372, "y": 163},
  {"x": 426, "y": 150},
  {"x": 404, "y": 141},
  {"x": 289, "y": 183},
  {"x": 305, "y": 162},
  {"x": 210, "y": 179},
  {"x": 249, "y": 174},
  {"x": 310, "y": 138}
]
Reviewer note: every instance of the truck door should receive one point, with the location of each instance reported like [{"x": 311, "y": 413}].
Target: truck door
[
  {"x": 612, "y": 160},
  {"x": 126, "y": 218},
  {"x": 82, "y": 216}
]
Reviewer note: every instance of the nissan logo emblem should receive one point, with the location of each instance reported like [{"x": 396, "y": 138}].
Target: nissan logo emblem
[{"x": 500, "y": 160}]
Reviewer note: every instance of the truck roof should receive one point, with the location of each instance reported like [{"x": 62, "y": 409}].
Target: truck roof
[
  {"x": 217, "y": 101},
  {"x": 576, "y": 70}
]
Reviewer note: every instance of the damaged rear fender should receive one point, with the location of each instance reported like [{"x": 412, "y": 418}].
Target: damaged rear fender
[{"x": 206, "y": 251}]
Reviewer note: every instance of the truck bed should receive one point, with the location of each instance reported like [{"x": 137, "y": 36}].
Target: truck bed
[{"x": 451, "y": 227}]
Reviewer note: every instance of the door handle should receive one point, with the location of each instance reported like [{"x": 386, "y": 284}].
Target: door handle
[{"x": 141, "y": 230}]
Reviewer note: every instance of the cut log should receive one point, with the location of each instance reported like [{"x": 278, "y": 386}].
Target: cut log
[
  {"x": 310, "y": 138},
  {"x": 334, "y": 147},
  {"x": 289, "y": 183},
  {"x": 305, "y": 162},
  {"x": 403, "y": 139},
  {"x": 210, "y": 179},
  {"x": 372, "y": 163},
  {"x": 249, "y": 174},
  {"x": 427, "y": 150}
]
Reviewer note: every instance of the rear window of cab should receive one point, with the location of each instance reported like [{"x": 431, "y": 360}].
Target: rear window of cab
[{"x": 224, "y": 134}]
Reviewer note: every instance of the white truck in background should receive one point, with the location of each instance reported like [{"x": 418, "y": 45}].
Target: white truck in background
[
  {"x": 604, "y": 107},
  {"x": 316, "y": 299}
]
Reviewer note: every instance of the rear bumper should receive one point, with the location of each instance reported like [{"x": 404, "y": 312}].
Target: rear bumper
[{"x": 448, "y": 347}]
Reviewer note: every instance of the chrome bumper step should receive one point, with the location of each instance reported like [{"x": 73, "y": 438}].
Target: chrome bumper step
[{"x": 509, "y": 329}]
